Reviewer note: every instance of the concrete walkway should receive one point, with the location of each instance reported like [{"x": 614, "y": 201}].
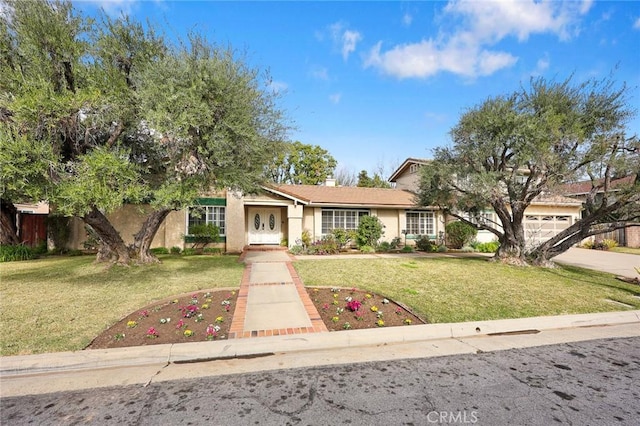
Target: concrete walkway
[
  {"x": 272, "y": 300},
  {"x": 620, "y": 264}
]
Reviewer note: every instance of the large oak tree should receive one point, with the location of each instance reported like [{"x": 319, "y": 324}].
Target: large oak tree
[{"x": 511, "y": 149}]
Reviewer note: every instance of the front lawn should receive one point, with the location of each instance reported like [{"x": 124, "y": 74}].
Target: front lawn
[
  {"x": 628, "y": 250},
  {"x": 61, "y": 303},
  {"x": 467, "y": 289}
]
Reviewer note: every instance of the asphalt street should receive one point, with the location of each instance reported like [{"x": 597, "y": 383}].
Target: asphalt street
[{"x": 594, "y": 382}]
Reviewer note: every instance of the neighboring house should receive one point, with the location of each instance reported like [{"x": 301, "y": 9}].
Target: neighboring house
[
  {"x": 630, "y": 236},
  {"x": 546, "y": 216},
  {"x": 280, "y": 213}
]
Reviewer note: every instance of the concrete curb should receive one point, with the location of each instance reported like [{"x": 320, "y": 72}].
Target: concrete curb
[{"x": 254, "y": 347}]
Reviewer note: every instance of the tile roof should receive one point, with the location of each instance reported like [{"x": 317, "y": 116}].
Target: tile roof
[
  {"x": 555, "y": 200},
  {"x": 348, "y": 195},
  {"x": 581, "y": 188}
]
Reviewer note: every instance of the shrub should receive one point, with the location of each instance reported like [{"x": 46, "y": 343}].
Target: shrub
[
  {"x": 384, "y": 246},
  {"x": 175, "y": 250},
  {"x": 188, "y": 252},
  {"x": 204, "y": 234},
  {"x": 441, "y": 248},
  {"x": 369, "y": 231},
  {"x": 367, "y": 249},
  {"x": 306, "y": 238},
  {"x": 407, "y": 249},
  {"x": 10, "y": 253},
  {"x": 159, "y": 250},
  {"x": 343, "y": 236},
  {"x": 490, "y": 247},
  {"x": 396, "y": 242},
  {"x": 296, "y": 250},
  {"x": 326, "y": 245},
  {"x": 459, "y": 233},
  {"x": 605, "y": 245},
  {"x": 423, "y": 243}
]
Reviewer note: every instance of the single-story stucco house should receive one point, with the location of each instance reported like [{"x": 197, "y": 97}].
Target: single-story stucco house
[{"x": 280, "y": 213}]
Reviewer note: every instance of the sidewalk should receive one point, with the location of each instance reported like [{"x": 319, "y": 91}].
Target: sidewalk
[{"x": 63, "y": 371}]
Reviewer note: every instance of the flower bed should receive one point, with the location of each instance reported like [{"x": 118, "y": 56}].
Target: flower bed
[
  {"x": 352, "y": 309},
  {"x": 200, "y": 316}
]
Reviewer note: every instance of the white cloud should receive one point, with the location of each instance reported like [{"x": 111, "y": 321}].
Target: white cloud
[
  {"x": 541, "y": 66},
  {"x": 479, "y": 26},
  {"x": 407, "y": 19},
  {"x": 344, "y": 39},
  {"x": 636, "y": 25},
  {"x": 335, "y": 98},
  {"x": 116, "y": 7},
  {"x": 349, "y": 41}
]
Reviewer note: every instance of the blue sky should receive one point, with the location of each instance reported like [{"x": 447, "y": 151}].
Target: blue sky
[{"x": 377, "y": 82}]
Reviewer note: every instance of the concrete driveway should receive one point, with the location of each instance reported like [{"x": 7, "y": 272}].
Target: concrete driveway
[{"x": 620, "y": 264}]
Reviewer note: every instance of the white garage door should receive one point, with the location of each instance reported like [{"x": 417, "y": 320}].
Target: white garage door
[{"x": 540, "y": 228}]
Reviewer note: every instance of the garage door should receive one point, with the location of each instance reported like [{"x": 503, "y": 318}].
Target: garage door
[{"x": 540, "y": 228}]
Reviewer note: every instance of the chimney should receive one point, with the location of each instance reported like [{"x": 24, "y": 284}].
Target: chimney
[{"x": 330, "y": 182}]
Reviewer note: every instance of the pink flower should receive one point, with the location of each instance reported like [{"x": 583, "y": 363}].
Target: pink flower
[
  {"x": 180, "y": 324},
  {"x": 152, "y": 332},
  {"x": 144, "y": 313},
  {"x": 354, "y": 305}
]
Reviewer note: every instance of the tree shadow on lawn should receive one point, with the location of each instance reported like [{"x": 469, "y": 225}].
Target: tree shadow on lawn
[{"x": 632, "y": 289}]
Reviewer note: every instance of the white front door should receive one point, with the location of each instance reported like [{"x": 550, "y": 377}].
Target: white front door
[{"x": 264, "y": 226}]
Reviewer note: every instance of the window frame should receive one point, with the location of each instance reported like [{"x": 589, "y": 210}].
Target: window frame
[
  {"x": 355, "y": 219},
  {"x": 423, "y": 223},
  {"x": 213, "y": 214}
]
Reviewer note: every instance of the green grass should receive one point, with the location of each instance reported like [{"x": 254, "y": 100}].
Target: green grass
[
  {"x": 628, "y": 250},
  {"x": 453, "y": 290},
  {"x": 62, "y": 303}
]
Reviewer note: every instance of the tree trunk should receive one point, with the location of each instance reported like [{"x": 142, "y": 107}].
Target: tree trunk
[
  {"x": 8, "y": 225},
  {"x": 113, "y": 248},
  {"x": 144, "y": 237},
  {"x": 512, "y": 250}
]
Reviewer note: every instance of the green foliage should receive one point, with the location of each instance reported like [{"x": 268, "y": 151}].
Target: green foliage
[
  {"x": 102, "y": 178},
  {"x": 326, "y": 245},
  {"x": 25, "y": 165},
  {"x": 606, "y": 244},
  {"x": 175, "y": 250},
  {"x": 16, "y": 252},
  {"x": 343, "y": 236},
  {"x": 189, "y": 251},
  {"x": 306, "y": 238},
  {"x": 159, "y": 250},
  {"x": 531, "y": 142},
  {"x": 204, "y": 234},
  {"x": 459, "y": 233},
  {"x": 297, "y": 250},
  {"x": 298, "y": 163},
  {"x": 423, "y": 243},
  {"x": 376, "y": 181},
  {"x": 407, "y": 249},
  {"x": 489, "y": 247},
  {"x": 369, "y": 231},
  {"x": 367, "y": 249}
]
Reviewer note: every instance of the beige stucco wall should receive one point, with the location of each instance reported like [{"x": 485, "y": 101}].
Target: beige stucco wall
[{"x": 408, "y": 181}]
